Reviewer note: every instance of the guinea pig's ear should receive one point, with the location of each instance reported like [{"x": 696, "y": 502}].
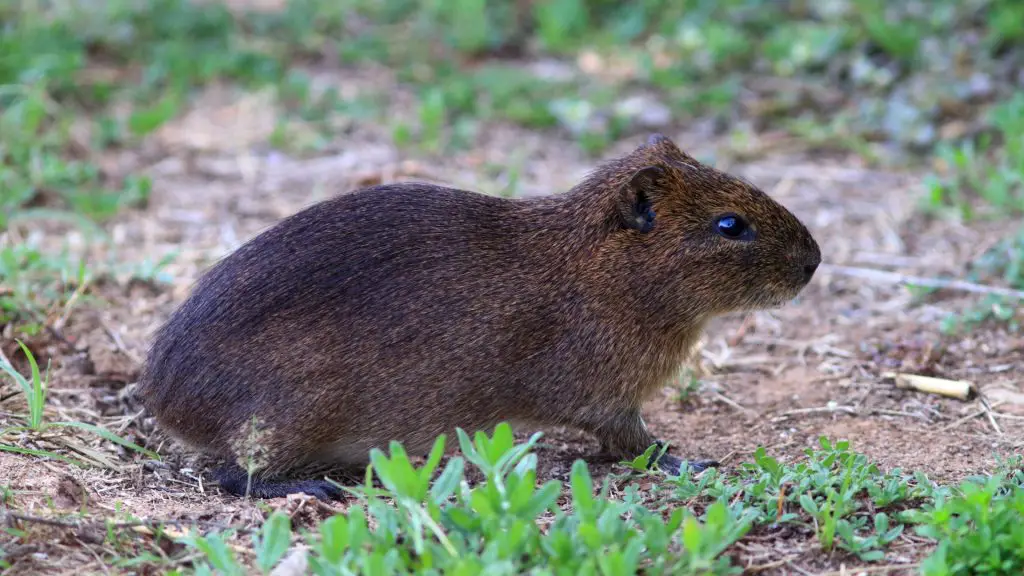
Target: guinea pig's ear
[
  {"x": 636, "y": 205},
  {"x": 657, "y": 139},
  {"x": 664, "y": 148},
  {"x": 662, "y": 145}
]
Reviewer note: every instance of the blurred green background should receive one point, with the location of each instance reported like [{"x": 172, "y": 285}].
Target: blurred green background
[
  {"x": 931, "y": 88},
  {"x": 936, "y": 86}
]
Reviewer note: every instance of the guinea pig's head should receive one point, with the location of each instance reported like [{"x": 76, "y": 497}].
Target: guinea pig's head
[{"x": 715, "y": 242}]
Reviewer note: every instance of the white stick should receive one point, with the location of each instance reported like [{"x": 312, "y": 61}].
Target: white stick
[
  {"x": 897, "y": 278},
  {"x": 962, "y": 389}
]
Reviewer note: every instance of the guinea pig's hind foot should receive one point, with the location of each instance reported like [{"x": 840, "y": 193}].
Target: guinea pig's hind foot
[{"x": 234, "y": 480}]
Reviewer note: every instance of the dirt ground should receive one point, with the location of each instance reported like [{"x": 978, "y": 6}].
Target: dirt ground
[{"x": 777, "y": 379}]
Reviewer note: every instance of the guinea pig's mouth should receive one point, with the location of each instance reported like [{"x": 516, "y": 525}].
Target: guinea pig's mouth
[
  {"x": 778, "y": 301},
  {"x": 768, "y": 302}
]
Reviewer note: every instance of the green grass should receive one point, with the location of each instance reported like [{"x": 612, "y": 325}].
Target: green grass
[
  {"x": 80, "y": 79},
  {"x": 33, "y": 388},
  {"x": 39, "y": 285},
  {"x": 1003, "y": 262},
  {"x": 431, "y": 520},
  {"x": 698, "y": 56},
  {"x": 984, "y": 178}
]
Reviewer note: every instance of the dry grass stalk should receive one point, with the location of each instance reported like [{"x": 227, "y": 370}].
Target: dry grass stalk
[{"x": 898, "y": 278}]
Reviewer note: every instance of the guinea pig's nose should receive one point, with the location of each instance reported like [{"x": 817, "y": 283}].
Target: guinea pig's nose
[
  {"x": 811, "y": 262},
  {"x": 809, "y": 270}
]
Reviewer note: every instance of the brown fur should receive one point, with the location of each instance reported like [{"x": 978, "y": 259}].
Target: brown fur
[{"x": 402, "y": 311}]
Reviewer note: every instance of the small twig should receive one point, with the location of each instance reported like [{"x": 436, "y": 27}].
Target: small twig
[
  {"x": 183, "y": 560},
  {"x": 884, "y": 259},
  {"x": 1007, "y": 416},
  {"x": 170, "y": 531},
  {"x": 129, "y": 421},
  {"x": 59, "y": 335},
  {"x": 727, "y": 457},
  {"x": 988, "y": 412},
  {"x": 780, "y": 504},
  {"x": 7, "y": 516},
  {"x": 119, "y": 343},
  {"x": 737, "y": 337},
  {"x": 970, "y": 416},
  {"x": 882, "y": 412},
  {"x": 58, "y": 324},
  {"x": 897, "y": 278},
  {"x": 726, "y": 400},
  {"x": 817, "y": 410},
  {"x": 798, "y": 569},
  {"x": 871, "y": 569},
  {"x": 828, "y": 378},
  {"x": 959, "y": 422},
  {"x": 770, "y": 565},
  {"x": 102, "y": 564}
]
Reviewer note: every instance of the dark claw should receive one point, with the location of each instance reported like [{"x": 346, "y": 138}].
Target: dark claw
[
  {"x": 234, "y": 480},
  {"x": 702, "y": 465},
  {"x": 673, "y": 466}
]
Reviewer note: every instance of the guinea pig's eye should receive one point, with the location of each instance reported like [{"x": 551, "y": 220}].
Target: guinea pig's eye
[{"x": 733, "y": 227}]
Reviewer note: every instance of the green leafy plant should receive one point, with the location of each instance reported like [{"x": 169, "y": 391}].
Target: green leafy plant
[
  {"x": 446, "y": 525},
  {"x": 272, "y": 541},
  {"x": 217, "y": 553},
  {"x": 849, "y": 501},
  {"x": 868, "y": 548},
  {"x": 641, "y": 463},
  {"x": 977, "y": 528}
]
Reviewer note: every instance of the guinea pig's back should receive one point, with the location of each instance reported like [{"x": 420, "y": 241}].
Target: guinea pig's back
[{"x": 382, "y": 288}]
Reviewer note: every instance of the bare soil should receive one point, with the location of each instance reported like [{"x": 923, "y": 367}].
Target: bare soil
[{"x": 778, "y": 379}]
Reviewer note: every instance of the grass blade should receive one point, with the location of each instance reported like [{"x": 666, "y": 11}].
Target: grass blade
[
  {"x": 41, "y": 453},
  {"x": 108, "y": 435}
]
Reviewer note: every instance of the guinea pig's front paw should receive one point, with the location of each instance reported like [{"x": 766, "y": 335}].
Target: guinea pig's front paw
[
  {"x": 669, "y": 464},
  {"x": 673, "y": 466},
  {"x": 698, "y": 466}
]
